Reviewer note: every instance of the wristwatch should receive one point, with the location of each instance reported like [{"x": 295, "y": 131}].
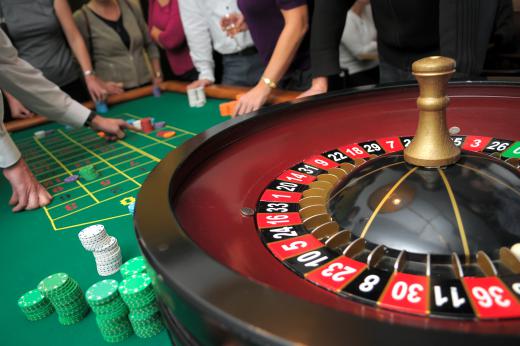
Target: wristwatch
[
  {"x": 87, "y": 73},
  {"x": 90, "y": 118},
  {"x": 270, "y": 83}
]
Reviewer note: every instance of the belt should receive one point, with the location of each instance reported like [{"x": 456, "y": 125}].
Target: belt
[{"x": 245, "y": 52}]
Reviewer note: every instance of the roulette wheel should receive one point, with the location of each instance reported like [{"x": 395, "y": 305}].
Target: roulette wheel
[{"x": 344, "y": 220}]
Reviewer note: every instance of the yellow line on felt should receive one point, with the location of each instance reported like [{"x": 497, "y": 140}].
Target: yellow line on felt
[
  {"x": 50, "y": 218},
  {"x": 104, "y": 178},
  {"x": 102, "y": 189},
  {"x": 92, "y": 222},
  {"x": 169, "y": 126},
  {"x": 65, "y": 168},
  {"x": 156, "y": 140},
  {"x": 101, "y": 169},
  {"x": 490, "y": 177},
  {"x": 383, "y": 201},
  {"x": 144, "y": 153},
  {"x": 93, "y": 205},
  {"x": 456, "y": 210},
  {"x": 99, "y": 157}
]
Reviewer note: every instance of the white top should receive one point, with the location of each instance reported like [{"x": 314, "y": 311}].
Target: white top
[
  {"x": 29, "y": 86},
  {"x": 201, "y": 22},
  {"x": 359, "y": 40}
]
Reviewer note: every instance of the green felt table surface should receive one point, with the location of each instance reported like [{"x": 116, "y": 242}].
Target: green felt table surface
[{"x": 41, "y": 242}]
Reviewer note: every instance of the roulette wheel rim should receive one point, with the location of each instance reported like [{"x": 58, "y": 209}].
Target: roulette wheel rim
[{"x": 223, "y": 320}]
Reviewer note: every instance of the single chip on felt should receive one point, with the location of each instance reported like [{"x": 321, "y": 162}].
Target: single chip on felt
[
  {"x": 227, "y": 108},
  {"x": 131, "y": 208},
  {"x": 39, "y": 134},
  {"x": 146, "y": 125},
  {"x": 166, "y": 134},
  {"x": 159, "y": 124},
  {"x": 71, "y": 178},
  {"x": 88, "y": 172},
  {"x": 101, "y": 134}
]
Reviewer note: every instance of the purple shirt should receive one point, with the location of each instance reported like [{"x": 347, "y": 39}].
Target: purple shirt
[{"x": 265, "y": 21}]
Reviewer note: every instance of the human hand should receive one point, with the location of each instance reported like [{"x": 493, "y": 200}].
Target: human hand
[
  {"x": 199, "y": 83},
  {"x": 157, "y": 80},
  {"x": 114, "y": 128},
  {"x": 252, "y": 100},
  {"x": 114, "y": 88},
  {"x": 95, "y": 88},
  {"x": 320, "y": 85},
  {"x": 28, "y": 193},
  {"x": 18, "y": 110},
  {"x": 154, "y": 33},
  {"x": 233, "y": 24}
]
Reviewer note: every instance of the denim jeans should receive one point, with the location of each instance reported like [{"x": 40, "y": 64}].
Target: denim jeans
[{"x": 241, "y": 70}]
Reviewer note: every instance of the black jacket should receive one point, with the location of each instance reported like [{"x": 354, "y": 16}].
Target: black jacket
[{"x": 409, "y": 30}]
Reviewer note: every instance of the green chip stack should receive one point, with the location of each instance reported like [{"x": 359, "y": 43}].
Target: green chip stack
[
  {"x": 133, "y": 266},
  {"x": 35, "y": 306},
  {"x": 88, "y": 172},
  {"x": 66, "y": 296},
  {"x": 137, "y": 292},
  {"x": 111, "y": 311}
]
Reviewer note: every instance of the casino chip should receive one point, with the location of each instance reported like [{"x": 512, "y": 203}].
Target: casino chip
[
  {"x": 131, "y": 208},
  {"x": 35, "y": 306},
  {"x": 66, "y": 297},
  {"x": 110, "y": 309},
  {"x": 134, "y": 266},
  {"x": 71, "y": 178},
  {"x": 105, "y": 249},
  {"x": 138, "y": 294},
  {"x": 88, "y": 172}
]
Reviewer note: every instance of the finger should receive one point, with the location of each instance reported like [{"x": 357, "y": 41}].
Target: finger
[
  {"x": 14, "y": 198},
  {"x": 33, "y": 201},
  {"x": 22, "y": 201},
  {"x": 120, "y": 134},
  {"x": 44, "y": 197},
  {"x": 128, "y": 126},
  {"x": 237, "y": 109}
]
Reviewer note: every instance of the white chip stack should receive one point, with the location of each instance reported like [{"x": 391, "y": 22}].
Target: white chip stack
[{"x": 105, "y": 248}]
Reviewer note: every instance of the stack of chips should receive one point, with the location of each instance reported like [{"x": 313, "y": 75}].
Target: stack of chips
[
  {"x": 35, "y": 306},
  {"x": 111, "y": 311},
  {"x": 108, "y": 257},
  {"x": 105, "y": 248},
  {"x": 66, "y": 296},
  {"x": 138, "y": 294},
  {"x": 146, "y": 125},
  {"x": 196, "y": 97},
  {"x": 133, "y": 266},
  {"x": 88, "y": 172}
]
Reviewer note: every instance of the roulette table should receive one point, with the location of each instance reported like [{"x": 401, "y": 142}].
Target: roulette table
[
  {"x": 304, "y": 223},
  {"x": 45, "y": 241}
]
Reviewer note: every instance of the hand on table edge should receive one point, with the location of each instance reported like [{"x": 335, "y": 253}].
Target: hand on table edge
[{"x": 320, "y": 85}]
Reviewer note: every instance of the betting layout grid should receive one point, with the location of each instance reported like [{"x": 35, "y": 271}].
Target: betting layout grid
[
  {"x": 122, "y": 167},
  {"x": 283, "y": 233}
]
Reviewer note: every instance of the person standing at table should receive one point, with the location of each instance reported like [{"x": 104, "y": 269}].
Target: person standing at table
[
  {"x": 120, "y": 46},
  {"x": 29, "y": 86},
  {"x": 407, "y": 31},
  {"x": 279, "y": 29},
  {"x": 45, "y": 35},
  {"x": 201, "y": 20},
  {"x": 358, "y": 47},
  {"x": 166, "y": 30}
]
